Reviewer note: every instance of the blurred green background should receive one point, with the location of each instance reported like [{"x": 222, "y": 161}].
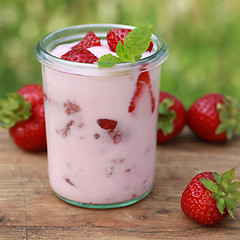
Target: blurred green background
[{"x": 203, "y": 36}]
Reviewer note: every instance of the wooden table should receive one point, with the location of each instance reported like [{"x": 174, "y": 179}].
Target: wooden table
[{"x": 30, "y": 210}]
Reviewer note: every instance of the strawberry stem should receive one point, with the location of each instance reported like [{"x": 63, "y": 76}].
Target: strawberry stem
[{"x": 224, "y": 191}]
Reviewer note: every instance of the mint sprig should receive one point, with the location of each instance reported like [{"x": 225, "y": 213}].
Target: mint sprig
[{"x": 135, "y": 44}]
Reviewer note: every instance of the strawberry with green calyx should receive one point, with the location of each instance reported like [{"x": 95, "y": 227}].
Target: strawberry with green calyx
[
  {"x": 209, "y": 198},
  {"x": 214, "y": 117},
  {"x": 171, "y": 117},
  {"x": 23, "y": 114}
]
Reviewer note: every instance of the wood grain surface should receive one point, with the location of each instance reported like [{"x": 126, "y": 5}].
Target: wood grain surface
[{"x": 30, "y": 210}]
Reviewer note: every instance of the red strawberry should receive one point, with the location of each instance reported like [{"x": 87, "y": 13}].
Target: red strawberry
[
  {"x": 171, "y": 117},
  {"x": 116, "y": 35},
  {"x": 107, "y": 124},
  {"x": 23, "y": 115},
  {"x": 111, "y": 127},
  {"x": 80, "y": 55},
  {"x": 208, "y": 198},
  {"x": 143, "y": 80},
  {"x": 90, "y": 40},
  {"x": 150, "y": 47},
  {"x": 119, "y": 34},
  {"x": 214, "y": 117}
]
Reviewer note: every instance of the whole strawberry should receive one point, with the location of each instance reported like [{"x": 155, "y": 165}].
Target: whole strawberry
[
  {"x": 209, "y": 198},
  {"x": 214, "y": 117},
  {"x": 171, "y": 117},
  {"x": 23, "y": 114}
]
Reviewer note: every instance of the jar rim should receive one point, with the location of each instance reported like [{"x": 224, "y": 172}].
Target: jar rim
[{"x": 76, "y": 33}]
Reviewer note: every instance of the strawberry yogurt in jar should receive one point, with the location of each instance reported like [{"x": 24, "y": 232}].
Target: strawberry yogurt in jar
[{"x": 101, "y": 121}]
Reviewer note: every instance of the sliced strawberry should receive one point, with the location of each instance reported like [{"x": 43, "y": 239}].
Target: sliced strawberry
[
  {"x": 90, "y": 40},
  {"x": 143, "y": 79},
  {"x": 111, "y": 127},
  {"x": 107, "y": 124},
  {"x": 80, "y": 55},
  {"x": 116, "y": 35},
  {"x": 150, "y": 47},
  {"x": 71, "y": 107}
]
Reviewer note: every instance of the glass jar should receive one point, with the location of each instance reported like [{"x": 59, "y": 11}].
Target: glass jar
[{"x": 101, "y": 128}]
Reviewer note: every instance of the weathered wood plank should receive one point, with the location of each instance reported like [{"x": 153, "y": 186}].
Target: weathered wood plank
[{"x": 30, "y": 210}]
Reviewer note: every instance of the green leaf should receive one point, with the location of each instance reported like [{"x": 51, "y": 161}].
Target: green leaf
[
  {"x": 123, "y": 53},
  {"x": 217, "y": 178},
  {"x": 227, "y": 176},
  {"x": 230, "y": 204},
  {"x": 221, "y": 128},
  {"x": 137, "y": 57},
  {"x": 209, "y": 184},
  {"x": 107, "y": 60},
  {"x": 166, "y": 116},
  {"x": 234, "y": 186},
  {"x": 229, "y": 115},
  {"x": 221, "y": 205},
  {"x": 230, "y": 213},
  {"x": 138, "y": 40},
  {"x": 235, "y": 195},
  {"x": 165, "y": 105},
  {"x": 230, "y": 133},
  {"x": 14, "y": 109}
]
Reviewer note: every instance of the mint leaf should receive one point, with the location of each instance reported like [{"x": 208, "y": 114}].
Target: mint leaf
[
  {"x": 137, "y": 57},
  {"x": 138, "y": 40},
  {"x": 123, "y": 53},
  {"x": 107, "y": 60}
]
